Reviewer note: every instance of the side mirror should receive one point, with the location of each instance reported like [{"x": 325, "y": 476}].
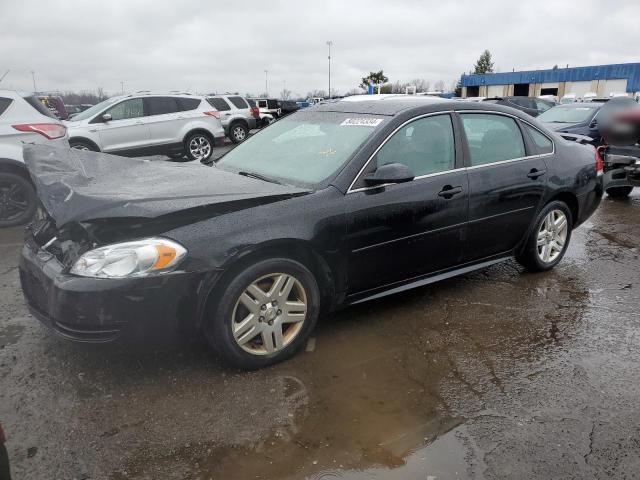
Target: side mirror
[
  {"x": 390, "y": 173},
  {"x": 106, "y": 117}
]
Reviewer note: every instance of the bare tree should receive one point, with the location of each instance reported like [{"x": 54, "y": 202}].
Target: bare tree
[
  {"x": 439, "y": 86},
  {"x": 316, "y": 94},
  {"x": 285, "y": 94},
  {"x": 421, "y": 85}
]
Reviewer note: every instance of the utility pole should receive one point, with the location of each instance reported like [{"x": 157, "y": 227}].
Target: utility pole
[
  {"x": 266, "y": 83},
  {"x": 122, "y": 86},
  {"x": 33, "y": 77},
  {"x": 329, "y": 43}
]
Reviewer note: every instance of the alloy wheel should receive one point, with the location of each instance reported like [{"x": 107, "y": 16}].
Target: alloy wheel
[
  {"x": 239, "y": 134},
  {"x": 13, "y": 201},
  {"x": 269, "y": 314},
  {"x": 199, "y": 147},
  {"x": 552, "y": 236}
]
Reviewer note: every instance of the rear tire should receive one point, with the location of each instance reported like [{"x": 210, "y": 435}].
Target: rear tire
[
  {"x": 281, "y": 318},
  {"x": 549, "y": 239},
  {"x": 238, "y": 132},
  {"x": 619, "y": 192},
  {"x": 18, "y": 200}
]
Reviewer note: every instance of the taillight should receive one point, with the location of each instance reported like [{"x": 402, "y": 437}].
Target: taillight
[
  {"x": 255, "y": 111},
  {"x": 49, "y": 130},
  {"x": 599, "y": 162},
  {"x": 214, "y": 113}
]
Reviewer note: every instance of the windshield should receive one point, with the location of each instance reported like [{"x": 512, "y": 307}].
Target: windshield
[
  {"x": 91, "y": 111},
  {"x": 567, "y": 114},
  {"x": 303, "y": 149}
]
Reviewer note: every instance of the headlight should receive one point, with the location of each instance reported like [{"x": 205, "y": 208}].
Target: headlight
[{"x": 130, "y": 259}]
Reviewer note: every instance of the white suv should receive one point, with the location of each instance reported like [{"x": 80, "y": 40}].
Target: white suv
[
  {"x": 147, "y": 124},
  {"x": 23, "y": 119}
]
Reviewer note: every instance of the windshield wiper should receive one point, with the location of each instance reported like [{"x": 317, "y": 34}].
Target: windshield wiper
[{"x": 259, "y": 177}]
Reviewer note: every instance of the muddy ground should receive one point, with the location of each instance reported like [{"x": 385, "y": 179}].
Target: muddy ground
[{"x": 497, "y": 374}]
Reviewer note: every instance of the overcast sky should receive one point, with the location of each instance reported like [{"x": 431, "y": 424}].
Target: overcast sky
[{"x": 205, "y": 46}]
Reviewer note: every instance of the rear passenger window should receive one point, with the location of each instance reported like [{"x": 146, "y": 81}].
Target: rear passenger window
[
  {"x": 162, "y": 105},
  {"x": 425, "y": 146},
  {"x": 188, "y": 103},
  {"x": 492, "y": 138},
  {"x": 219, "y": 104},
  {"x": 4, "y": 104},
  {"x": 238, "y": 102},
  {"x": 542, "y": 142}
]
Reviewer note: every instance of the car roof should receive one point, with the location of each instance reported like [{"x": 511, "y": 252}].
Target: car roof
[
  {"x": 389, "y": 105},
  {"x": 580, "y": 105}
]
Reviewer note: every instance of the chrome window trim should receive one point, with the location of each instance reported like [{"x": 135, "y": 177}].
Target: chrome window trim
[
  {"x": 473, "y": 167},
  {"x": 361, "y": 189}
]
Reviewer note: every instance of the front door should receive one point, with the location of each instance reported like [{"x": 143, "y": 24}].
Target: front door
[
  {"x": 126, "y": 130},
  {"x": 400, "y": 231},
  {"x": 506, "y": 184}
]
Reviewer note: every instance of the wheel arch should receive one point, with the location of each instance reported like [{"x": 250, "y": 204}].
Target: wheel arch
[
  {"x": 8, "y": 165},
  {"x": 292, "y": 249},
  {"x": 85, "y": 140},
  {"x": 571, "y": 200},
  {"x": 194, "y": 131}
]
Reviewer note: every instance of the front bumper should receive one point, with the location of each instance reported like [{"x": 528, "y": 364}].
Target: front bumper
[{"x": 101, "y": 310}]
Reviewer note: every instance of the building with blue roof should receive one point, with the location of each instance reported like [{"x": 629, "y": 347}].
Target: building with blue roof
[{"x": 603, "y": 80}]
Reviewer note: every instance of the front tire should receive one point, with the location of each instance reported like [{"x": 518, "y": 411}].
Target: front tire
[
  {"x": 619, "y": 192},
  {"x": 18, "y": 200},
  {"x": 199, "y": 146},
  {"x": 549, "y": 239},
  {"x": 82, "y": 145},
  {"x": 264, "y": 314}
]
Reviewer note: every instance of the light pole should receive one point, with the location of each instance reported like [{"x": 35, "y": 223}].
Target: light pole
[
  {"x": 33, "y": 76},
  {"x": 329, "y": 43},
  {"x": 266, "y": 82}
]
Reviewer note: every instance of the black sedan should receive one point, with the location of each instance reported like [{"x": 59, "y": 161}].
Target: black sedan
[{"x": 332, "y": 206}]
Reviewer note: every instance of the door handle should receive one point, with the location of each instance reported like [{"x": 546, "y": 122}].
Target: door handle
[
  {"x": 448, "y": 191},
  {"x": 535, "y": 173}
]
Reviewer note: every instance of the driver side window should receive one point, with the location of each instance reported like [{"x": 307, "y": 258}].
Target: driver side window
[
  {"x": 425, "y": 146},
  {"x": 133, "y": 108}
]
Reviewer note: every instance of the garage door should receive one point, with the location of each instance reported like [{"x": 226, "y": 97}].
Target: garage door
[
  {"x": 614, "y": 86},
  {"x": 579, "y": 88},
  {"x": 495, "y": 90}
]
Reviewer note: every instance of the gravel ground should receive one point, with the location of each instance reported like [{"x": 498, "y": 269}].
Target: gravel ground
[{"x": 496, "y": 374}]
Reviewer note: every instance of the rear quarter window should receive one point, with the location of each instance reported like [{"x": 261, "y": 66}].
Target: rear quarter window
[
  {"x": 37, "y": 105},
  {"x": 188, "y": 103},
  {"x": 543, "y": 143},
  {"x": 4, "y": 104}
]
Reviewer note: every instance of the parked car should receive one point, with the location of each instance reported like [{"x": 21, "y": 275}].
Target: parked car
[
  {"x": 23, "y": 119},
  {"x": 531, "y": 105},
  {"x": 331, "y": 206},
  {"x": 568, "y": 98},
  {"x": 288, "y": 106},
  {"x": 269, "y": 105},
  {"x": 146, "y": 124},
  {"x": 549, "y": 98},
  {"x": 56, "y": 105},
  {"x": 581, "y": 118},
  {"x": 73, "y": 110},
  {"x": 5, "y": 472},
  {"x": 236, "y": 114}
]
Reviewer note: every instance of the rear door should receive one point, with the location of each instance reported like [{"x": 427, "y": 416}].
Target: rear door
[
  {"x": 223, "y": 107},
  {"x": 126, "y": 130},
  {"x": 400, "y": 231},
  {"x": 164, "y": 119},
  {"x": 507, "y": 179}
]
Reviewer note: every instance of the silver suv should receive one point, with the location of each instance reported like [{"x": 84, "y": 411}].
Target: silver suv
[
  {"x": 238, "y": 117},
  {"x": 146, "y": 123},
  {"x": 23, "y": 119}
]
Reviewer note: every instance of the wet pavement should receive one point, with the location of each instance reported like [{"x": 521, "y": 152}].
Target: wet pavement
[{"x": 496, "y": 374}]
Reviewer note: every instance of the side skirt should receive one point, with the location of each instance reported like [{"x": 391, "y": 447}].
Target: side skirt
[{"x": 425, "y": 280}]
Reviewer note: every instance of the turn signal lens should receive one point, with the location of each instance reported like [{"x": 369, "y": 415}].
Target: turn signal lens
[
  {"x": 140, "y": 258},
  {"x": 599, "y": 162}
]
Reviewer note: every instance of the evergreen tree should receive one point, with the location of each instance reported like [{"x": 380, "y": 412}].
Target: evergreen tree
[{"x": 484, "y": 63}]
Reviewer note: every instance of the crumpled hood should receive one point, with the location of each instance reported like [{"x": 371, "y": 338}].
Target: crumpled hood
[{"x": 75, "y": 185}]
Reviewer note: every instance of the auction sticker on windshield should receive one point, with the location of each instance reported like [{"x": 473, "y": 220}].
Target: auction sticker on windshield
[{"x": 361, "y": 122}]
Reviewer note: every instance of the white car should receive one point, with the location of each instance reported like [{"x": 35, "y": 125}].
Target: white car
[
  {"x": 147, "y": 124},
  {"x": 23, "y": 119}
]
